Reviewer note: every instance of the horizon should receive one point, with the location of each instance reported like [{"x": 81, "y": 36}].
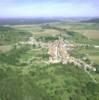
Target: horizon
[{"x": 53, "y": 17}]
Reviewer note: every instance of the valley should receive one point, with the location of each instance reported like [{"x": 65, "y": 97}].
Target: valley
[{"x": 41, "y": 61}]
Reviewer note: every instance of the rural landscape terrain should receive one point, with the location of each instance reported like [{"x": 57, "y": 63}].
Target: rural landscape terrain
[{"x": 49, "y": 59}]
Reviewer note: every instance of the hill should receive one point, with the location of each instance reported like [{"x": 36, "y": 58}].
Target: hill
[
  {"x": 94, "y": 20},
  {"x": 26, "y": 21}
]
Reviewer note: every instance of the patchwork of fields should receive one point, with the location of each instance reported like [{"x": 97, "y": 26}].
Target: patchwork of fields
[{"x": 25, "y": 71}]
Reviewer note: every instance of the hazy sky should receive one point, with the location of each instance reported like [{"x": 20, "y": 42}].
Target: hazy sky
[{"x": 41, "y": 8}]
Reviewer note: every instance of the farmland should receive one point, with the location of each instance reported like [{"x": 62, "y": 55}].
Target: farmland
[{"x": 25, "y": 72}]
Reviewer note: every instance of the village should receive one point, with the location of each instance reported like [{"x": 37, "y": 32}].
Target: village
[
  {"x": 59, "y": 52},
  {"x": 62, "y": 65}
]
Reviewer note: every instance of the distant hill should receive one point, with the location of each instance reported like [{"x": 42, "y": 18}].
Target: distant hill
[
  {"x": 26, "y": 21},
  {"x": 94, "y": 20},
  {"x": 41, "y": 20}
]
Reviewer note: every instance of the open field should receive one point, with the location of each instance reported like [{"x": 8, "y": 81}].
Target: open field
[
  {"x": 5, "y": 48},
  {"x": 91, "y": 34},
  {"x": 91, "y": 30},
  {"x": 95, "y": 59}
]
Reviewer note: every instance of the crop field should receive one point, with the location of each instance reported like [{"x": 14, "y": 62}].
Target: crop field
[
  {"x": 95, "y": 59},
  {"x": 25, "y": 71},
  {"x": 91, "y": 30},
  {"x": 93, "y": 34}
]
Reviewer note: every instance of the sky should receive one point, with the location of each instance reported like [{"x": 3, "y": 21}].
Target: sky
[{"x": 49, "y": 8}]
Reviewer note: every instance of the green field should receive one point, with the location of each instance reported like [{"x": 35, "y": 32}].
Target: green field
[{"x": 25, "y": 73}]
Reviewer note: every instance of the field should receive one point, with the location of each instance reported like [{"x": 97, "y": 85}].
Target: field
[
  {"x": 93, "y": 34},
  {"x": 90, "y": 30},
  {"x": 25, "y": 72}
]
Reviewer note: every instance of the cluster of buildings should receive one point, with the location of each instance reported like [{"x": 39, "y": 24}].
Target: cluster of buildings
[{"x": 58, "y": 53}]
